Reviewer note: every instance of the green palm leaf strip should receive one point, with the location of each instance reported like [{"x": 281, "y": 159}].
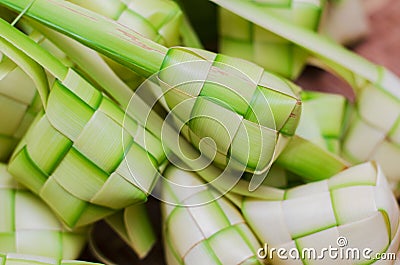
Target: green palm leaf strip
[
  {"x": 208, "y": 225},
  {"x": 324, "y": 119},
  {"x": 28, "y": 226},
  {"x": 57, "y": 158},
  {"x": 374, "y": 132},
  {"x": 145, "y": 58},
  {"x": 241, "y": 38},
  {"x": 134, "y": 226},
  {"x": 317, "y": 214},
  {"x": 20, "y": 259}
]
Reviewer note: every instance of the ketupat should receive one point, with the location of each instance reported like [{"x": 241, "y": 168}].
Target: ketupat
[
  {"x": 54, "y": 172},
  {"x": 241, "y": 38},
  {"x": 211, "y": 229},
  {"x": 318, "y": 214},
  {"x": 28, "y": 226},
  {"x": 248, "y": 112}
]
